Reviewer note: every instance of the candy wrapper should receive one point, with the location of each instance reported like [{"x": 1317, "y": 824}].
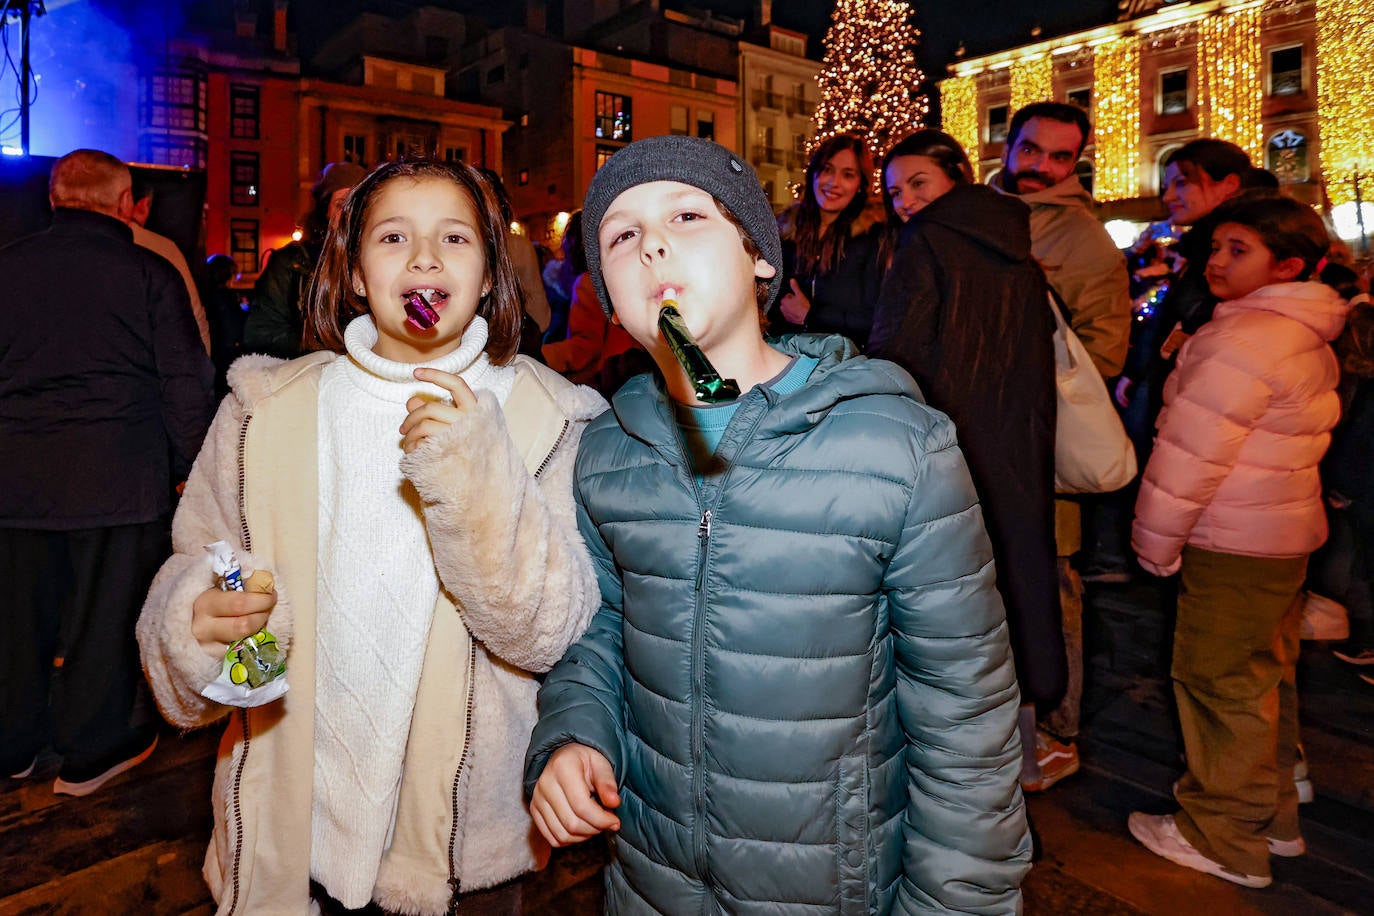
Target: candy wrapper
[{"x": 254, "y": 671}]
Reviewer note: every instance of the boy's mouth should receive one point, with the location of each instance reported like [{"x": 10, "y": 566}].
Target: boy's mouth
[{"x": 422, "y": 306}]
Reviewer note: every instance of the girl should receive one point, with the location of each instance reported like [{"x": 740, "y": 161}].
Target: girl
[
  {"x": 1232, "y": 495},
  {"x": 833, "y": 246},
  {"x": 414, "y": 594},
  {"x": 964, "y": 309}
]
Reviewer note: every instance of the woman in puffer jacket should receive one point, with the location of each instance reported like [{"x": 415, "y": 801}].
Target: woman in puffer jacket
[{"x": 1232, "y": 495}]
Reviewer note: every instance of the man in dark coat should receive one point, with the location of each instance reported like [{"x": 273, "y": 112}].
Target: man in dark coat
[
  {"x": 964, "y": 310},
  {"x": 105, "y": 395}
]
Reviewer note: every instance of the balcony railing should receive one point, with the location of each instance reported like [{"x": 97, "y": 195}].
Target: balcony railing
[
  {"x": 765, "y": 99},
  {"x": 768, "y": 155},
  {"x": 803, "y": 107}
]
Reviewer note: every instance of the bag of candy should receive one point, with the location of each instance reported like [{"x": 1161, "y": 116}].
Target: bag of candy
[{"x": 254, "y": 670}]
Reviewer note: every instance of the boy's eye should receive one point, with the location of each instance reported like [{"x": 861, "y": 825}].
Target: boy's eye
[
  {"x": 623, "y": 236},
  {"x": 689, "y": 216}
]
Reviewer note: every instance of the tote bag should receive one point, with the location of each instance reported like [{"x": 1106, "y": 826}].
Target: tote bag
[{"x": 1092, "y": 453}]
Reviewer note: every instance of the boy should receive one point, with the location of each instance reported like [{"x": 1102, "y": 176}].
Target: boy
[{"x": 798, "y": 692}]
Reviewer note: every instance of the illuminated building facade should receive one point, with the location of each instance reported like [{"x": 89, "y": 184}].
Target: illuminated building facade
[{"x": 1287, "y": 80}]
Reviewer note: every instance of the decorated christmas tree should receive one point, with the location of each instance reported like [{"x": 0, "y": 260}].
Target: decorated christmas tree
[{"x": 870, "y": 81}]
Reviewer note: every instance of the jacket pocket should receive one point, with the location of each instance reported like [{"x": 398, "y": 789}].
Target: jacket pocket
[{"x": 851, "y": 834}]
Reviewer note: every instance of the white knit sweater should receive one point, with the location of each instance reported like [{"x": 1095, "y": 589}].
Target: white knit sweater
[{"x": 376, "y": 592}]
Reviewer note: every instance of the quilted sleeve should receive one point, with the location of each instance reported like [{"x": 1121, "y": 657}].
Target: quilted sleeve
[
  {"x": 1212, "y": 402},
  {"x": 966, "y": 843}
]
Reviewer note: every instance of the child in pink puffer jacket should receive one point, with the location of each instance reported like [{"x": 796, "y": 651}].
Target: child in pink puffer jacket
[{"x": 1232, "y": 495}]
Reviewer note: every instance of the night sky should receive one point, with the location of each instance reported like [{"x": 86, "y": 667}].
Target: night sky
[{"x": 981, "y": 24}]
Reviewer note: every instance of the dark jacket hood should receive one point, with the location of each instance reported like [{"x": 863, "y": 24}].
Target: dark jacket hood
[
  {"x": 998, "y": 222},
  {"x": 643, "y": 409}
]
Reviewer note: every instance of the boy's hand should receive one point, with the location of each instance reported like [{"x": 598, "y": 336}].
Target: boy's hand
[
  {"x": 428, "y": 416},
  {"x": 795, "y": 306},
  {"x": 564, "y": 807},
  {"x": 220, "y": 619}
]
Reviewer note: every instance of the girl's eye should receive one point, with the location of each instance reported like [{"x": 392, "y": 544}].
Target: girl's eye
[
  {"x": 455, "y": 239},
  {"x": 392, "y": 238}
]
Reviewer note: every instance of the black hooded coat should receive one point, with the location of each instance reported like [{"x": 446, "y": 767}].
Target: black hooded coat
[{"x": 964, "y": 309}]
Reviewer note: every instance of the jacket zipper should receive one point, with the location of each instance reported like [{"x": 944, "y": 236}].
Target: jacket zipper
[
  {"x": 454, "y": 881},
  {"x": 562, "y": 434},
  {"x": 698, "y": 702},
  {"x": 235, "y": 801}
]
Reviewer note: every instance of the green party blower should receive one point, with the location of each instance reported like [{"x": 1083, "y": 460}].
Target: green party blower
[{"x": 710, "y": 388}]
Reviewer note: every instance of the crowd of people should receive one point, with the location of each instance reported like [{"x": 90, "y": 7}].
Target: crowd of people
[{"x": 805, "y": 648}]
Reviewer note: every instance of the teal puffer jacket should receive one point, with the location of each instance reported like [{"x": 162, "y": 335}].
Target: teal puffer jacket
[{"x": 800, "y": 670}]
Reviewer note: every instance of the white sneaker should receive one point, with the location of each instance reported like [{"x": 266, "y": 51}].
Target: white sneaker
[
  {"x": 1160, "y": 835},
  {"x": 1323, "y": 618},
  {"x": 1289, "y": 849}
]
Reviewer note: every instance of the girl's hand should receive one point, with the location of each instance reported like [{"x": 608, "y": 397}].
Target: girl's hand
[
  {"x": 219, "y": 618},
  {"x": 572, "y": 799},
  {"x": 795, "y": 306},
  {"x": 428, "y": 416}
]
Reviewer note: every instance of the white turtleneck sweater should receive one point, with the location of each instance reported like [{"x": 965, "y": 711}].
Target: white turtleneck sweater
[{"x": 376, "y": 593}]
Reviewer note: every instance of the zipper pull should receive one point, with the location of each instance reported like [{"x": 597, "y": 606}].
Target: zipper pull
[{"x": 704, "y": 529}]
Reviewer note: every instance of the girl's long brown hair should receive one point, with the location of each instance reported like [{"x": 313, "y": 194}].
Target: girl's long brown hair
[
  {"x": 819, "y": 252},
  {"x": 332, "y": 302}
]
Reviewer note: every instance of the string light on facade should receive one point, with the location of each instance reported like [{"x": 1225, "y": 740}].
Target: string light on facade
[
  {"x": 1345, "y": 87},
  {"x": 959, "y": 112},
  {"x": 1116, "y": 118},
  {"x": 869, "y": 77},
  {"x": 1032, "y": 80},
  {"x": 1230, "y": 79}
]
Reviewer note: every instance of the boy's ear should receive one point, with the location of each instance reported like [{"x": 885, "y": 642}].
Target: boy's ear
[
  {"x": 763, "y": 270},
  {"x": 1289, "y": 268}
]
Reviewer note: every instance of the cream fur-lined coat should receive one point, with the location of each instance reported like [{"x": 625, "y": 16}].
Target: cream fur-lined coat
[{"x": 518, "y": 589}]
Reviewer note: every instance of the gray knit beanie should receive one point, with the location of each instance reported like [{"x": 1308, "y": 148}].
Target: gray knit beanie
[{"x": 690, "y": 160}]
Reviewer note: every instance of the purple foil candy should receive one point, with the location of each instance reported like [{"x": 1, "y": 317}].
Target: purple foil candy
[{"x": 420, "y": 313}]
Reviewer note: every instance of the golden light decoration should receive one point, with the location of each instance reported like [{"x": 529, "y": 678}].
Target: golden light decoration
[
  {"x": 1116, "y": 118},
  {"x": 1032, "y": 80},
  {"x": 959, "y": 112},
  {"x": 869, "y": 77},
  {"x": 1230, "y": 86},
  {"x": 1345, "y": 88}
]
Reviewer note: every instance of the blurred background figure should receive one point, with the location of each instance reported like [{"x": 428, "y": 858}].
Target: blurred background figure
[
  {"x": 833, "y": 247},
  {"x": 100, "y": 364},
  {"x": 161, "y": 245},
  {"x": 274, "y": 325},
  {"x": 226, "y": 312}
]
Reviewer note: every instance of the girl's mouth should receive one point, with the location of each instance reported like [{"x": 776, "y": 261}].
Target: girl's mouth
[{"x": 420, "y": 307}]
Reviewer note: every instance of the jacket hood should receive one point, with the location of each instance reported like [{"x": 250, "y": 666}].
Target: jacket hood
[
  {"x": 870, "y": 216},
  {"x": 643, "y": 409},
  {"x": 256, "y": 377},
  {"x": 1068, "y": 193},
  {"x": 1313, "y": 304},
  {"x": 996, "y": 221}
]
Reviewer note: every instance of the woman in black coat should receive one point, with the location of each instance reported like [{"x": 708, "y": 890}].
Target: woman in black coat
[
  {"x": 833, "y": 246},
  {"x": 964, "y": 309}
]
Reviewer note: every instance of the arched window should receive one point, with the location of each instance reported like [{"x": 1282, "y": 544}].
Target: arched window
[
  {"x": 1163, "y": 157},
  {"x": 1286, "y": 156}
]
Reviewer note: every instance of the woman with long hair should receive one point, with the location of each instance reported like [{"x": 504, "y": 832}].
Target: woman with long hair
[
  {"x": 964, "y": 308},
  {"x": 833, "y": 246}
]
